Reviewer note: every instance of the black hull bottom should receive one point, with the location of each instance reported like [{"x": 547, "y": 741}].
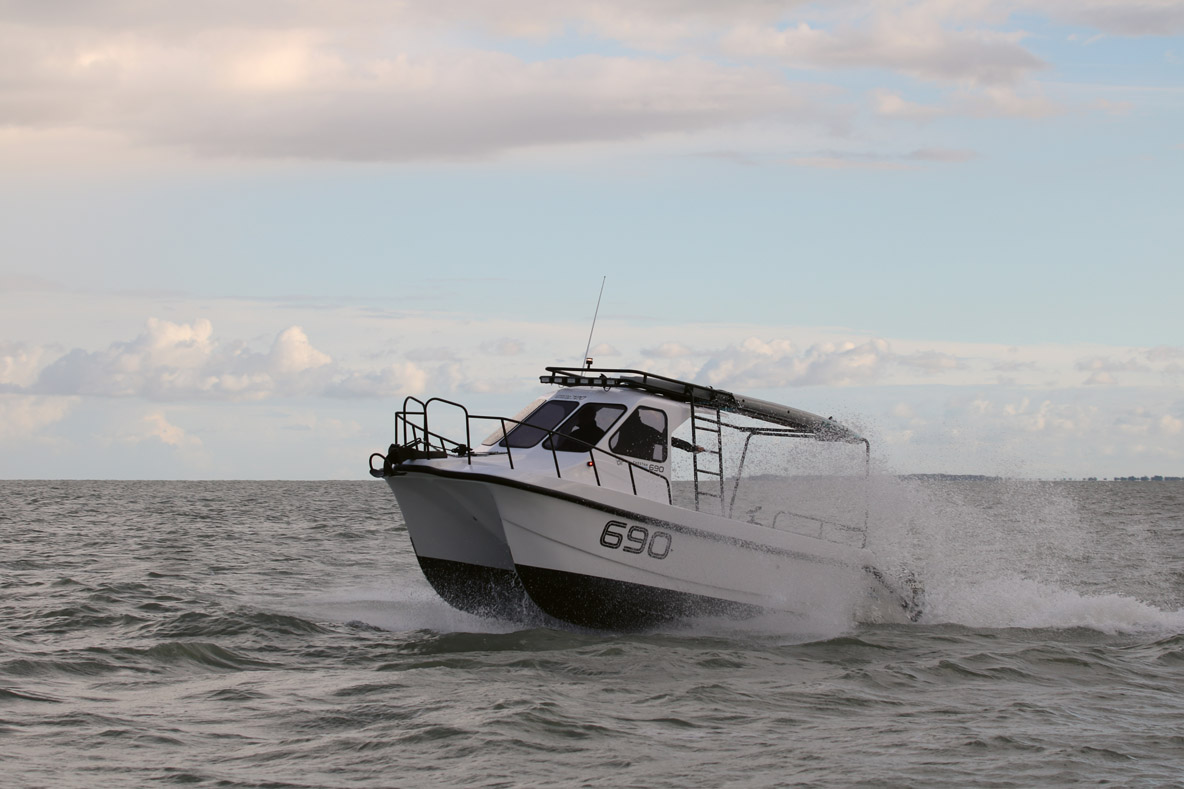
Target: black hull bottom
[
  {"x": 478, "y": 590},
  {"x": 606, "y": 604}
]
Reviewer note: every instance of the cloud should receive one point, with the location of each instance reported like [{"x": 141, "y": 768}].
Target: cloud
[
  {"x": 1119, "y": 17},
  {"x": 941, "y": 155},
  {"x": 172, "y": 361},
  {"x": 831, "y": 160},
  {"x": 1005, "y": 101},
  {"x": 1101, "y": 369},
  {"x": 503, "y": 347},
  {"x": 398, "y": 379},
  {"x": 1165, "y": 353},
  {"x": 669, "y": 350},
  {"x": 603, "y": 349},
  {"x": 848, "y": 162},
  {"x": 15, "y": 283},
  {"x": 332, "y": 94},
  {"x": 20, "y": 364},
  {"x": 891, "y": 105},
  {"x": 1170, "y": 425},
  {"x": 1046, "y": 416},
  {"x": 437, "y": 354},
  {"x": 931, "y": 362},
  {"x": 22, "y": 416},
  {"x": 155, "y": 426},
  {"x": 402, "y": 82},
  {"x": 761, "y": 364},
  {"x": 1100, "y": 378},
  {"x": 912, "y": 42},
  {"x": 292, "y": 353}
]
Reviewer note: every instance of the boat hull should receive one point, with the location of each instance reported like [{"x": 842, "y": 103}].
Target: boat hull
[
  {"x": 460, "y": 545},
  {"x": 620, "y": 563}
]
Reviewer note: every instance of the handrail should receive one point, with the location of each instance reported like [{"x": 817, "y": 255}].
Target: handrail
[
  {"x": 816, "y": 519},
  {"x": 466, "y": 449}
]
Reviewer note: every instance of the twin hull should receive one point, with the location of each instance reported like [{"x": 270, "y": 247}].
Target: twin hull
[{"x": 494, "y": 546}]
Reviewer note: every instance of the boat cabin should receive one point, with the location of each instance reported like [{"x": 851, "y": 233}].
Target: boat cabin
[{"x": 614, "y": 428}]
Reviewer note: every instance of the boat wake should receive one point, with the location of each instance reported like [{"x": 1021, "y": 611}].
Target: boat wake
[
  {"x": 1010, "y": 601},
  {"x": 1027, "y": 554},
  {"x": 400, "y": 607}
]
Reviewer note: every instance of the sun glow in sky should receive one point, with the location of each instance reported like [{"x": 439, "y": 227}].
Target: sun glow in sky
[{"x": 234, "y": 236}]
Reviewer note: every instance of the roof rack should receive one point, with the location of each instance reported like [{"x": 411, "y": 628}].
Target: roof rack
[{"x": 820, "y": 428}]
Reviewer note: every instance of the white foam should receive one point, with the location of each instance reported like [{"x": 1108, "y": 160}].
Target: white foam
[
  {"x": 398, "y": 607},
  {"x": 1021, "y": 602},
  {"x": 1020, "y": 554}
]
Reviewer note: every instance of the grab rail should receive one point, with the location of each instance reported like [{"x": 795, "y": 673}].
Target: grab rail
[
  {"x": 822, "y": 524},
  {"x": 411, "y": 434}
]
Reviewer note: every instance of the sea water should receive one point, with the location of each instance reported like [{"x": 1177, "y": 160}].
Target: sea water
[{"x": 279, "y": 634}]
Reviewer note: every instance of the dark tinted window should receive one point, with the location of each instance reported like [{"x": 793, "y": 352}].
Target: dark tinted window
[
  {"x": 643, "y": 436},
  {"x": 535, "y": 426},
  {"x": 586, "y": 427}
]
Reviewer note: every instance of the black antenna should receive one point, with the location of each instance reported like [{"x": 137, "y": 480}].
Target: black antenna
[{"x": 588, "y": 347}]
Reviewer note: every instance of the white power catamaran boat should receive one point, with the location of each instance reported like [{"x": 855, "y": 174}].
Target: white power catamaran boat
[{"x": 573, "y": 507}]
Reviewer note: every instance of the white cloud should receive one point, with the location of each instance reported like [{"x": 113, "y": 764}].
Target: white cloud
[
  {"x": 892, "y": 105},
  {"x": 941, "y": 155},
  {"x": 1120, "y": 17},
  {"x": 831, "y": 160},
  {"x": 669, "y": 350},
  {"x": 1106, "y": 364},
  {"x": 761, "y": 364},
  {"x": 931, "y": 361},
  {"x": 847, "y": 162},
  {"x": 20, "y": 363},
  {"x": 1100, "y": 378},
  {"x": 22, "y": 416},
  {"x": 603, "y": 349},
  {"x": 292, "y": 353},
  {"x": 334, "y": 95},
  {"x": 364, "y": 80},
  {"x": 1102, "y": 368},
  {"x": 395, "y": 380},
  {"x": 503, "y": 347},
  {"x": 156, "y": 426},
  {"x": 1005, "y": 101},
  {"x": 912, "y": 42},
  {"x": 1165, "y": 353},
  {"x": 171, "y": 361}
]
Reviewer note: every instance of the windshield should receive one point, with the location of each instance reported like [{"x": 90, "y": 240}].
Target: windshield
[
  {"x": 586, "y": 427},
  {"x": 535, "y": 426}
]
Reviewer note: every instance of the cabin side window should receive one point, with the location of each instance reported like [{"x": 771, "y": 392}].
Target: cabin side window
[
  {"x": 642, "y": 436},
  {"x": 535, "y": 427},
  {"x": 586, "y": 427}
]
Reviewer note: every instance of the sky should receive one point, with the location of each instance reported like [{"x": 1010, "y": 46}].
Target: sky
[{"x": 234, "y": 236}]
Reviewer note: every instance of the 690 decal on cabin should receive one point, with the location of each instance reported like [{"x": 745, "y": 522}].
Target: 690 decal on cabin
[{"x": 635, "y": 539}]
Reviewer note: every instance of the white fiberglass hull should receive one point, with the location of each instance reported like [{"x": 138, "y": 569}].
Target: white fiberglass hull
[
  {"x": 457, "y": 535},
  {"x": 621, "y": 562}
]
